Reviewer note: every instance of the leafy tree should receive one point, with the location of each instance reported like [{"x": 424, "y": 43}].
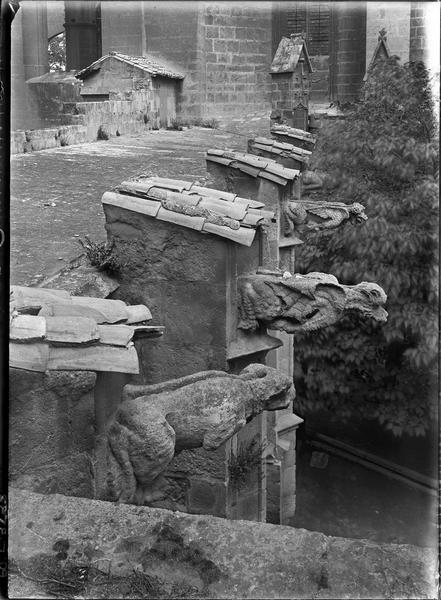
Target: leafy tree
[
  {"x": 57, "y": 52},
  {"x": 384, "y": 154}
]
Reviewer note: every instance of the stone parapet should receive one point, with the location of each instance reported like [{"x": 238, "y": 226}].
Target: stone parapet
[{"x": 168, "y": 553}]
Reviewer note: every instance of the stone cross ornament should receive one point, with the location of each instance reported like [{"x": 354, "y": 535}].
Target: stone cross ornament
[
  {"x": 305, "y": 216},
  {"x": 201, "y": 410},
  {"x": 302, "y": 303}
]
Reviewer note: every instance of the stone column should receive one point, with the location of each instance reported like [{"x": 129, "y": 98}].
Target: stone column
[
  {"x": 418, "y": 42},
  {"x": 83, "y": 34},
  {"x": 35, "y": 39},
  {"x": 348, "y": 50}
]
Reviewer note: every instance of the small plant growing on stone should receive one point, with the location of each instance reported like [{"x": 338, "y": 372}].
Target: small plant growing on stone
[
  {"x": 247, "y": 459},
  {"x": 101, "y": 255},
  {"x": 102, "y": 133}
]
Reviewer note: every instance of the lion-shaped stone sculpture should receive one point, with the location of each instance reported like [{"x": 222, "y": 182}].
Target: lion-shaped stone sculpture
[
  {"x": 201, "y": 410},
  {"x": 301, "y": 303},
  {"x": 304, "y": 216}
]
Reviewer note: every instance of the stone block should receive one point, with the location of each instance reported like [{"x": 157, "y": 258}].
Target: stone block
[
  {"x": 211, "y": 32},
  {"x": 152, "y": 250},
  {"x": 192, "y": 312},
  {"x": 199, "y": 463},
  {"x": 18, "y": 141},
  {"x": 206, "y": 497},
  {"x": 71, "y": 475},
  {"x": 51, "y": 421},
  {"x": 160, "y": 361},
  {"x": 234, "y": 559}
]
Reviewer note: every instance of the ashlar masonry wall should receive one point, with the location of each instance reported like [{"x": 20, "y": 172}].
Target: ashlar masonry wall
[
  {"x": 224, "y": 50},
  {"x": 237, "y": 38}
]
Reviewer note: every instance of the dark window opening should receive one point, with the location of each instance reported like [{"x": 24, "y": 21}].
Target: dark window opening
[{"x": 313, "y": 19}]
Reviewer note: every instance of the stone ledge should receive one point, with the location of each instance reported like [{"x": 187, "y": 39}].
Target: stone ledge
[{"x": 215, "y": 557}]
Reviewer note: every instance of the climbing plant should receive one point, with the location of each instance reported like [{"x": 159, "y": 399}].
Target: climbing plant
[
  {"x": 57, "y": 52},
  {"x": 384, "y": 154}
]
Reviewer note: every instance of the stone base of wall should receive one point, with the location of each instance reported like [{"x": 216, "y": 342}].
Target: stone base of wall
[
  {"x": 90, "y": 121},
  {"x": 42, "y": 139}
]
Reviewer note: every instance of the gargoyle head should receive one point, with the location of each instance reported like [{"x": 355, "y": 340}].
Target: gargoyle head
[
  {"x": 357, "y": 211},
  {"x": 368, "y": 299},
  {"x": 272, "y": 389}
]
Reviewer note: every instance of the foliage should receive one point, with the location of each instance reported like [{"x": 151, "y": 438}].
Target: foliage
[
  {"x": 246, "y": 460},
  {"x": 101, "y": 255},
  {"x": 57, "y": 52},
  {"x": 384, "y": 154}
]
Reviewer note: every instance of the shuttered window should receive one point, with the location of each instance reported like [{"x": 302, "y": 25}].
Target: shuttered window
[{"x": 314, "y": 19}]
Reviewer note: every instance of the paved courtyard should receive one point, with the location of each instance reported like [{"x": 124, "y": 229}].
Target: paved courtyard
[{"x": 56, "y": 193}]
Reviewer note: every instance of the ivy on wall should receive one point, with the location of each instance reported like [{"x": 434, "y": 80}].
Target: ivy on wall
[{"x": 384, "y": 154}]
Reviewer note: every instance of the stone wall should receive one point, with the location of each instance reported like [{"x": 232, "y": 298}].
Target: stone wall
[
  {"x": 122, "y": 27},
  {"x": 349, "y": 51},
  {"x": 42, "y": 139},
  {"x": 114, "y": 117},
  {"x": 319, "y": 79},
  {"x": 172, "y": 33},
  {"x": 180, "y": 274},
  {"x": 419, "y": 42},
  {"x": 52, "y": 435},
  {"x": 224, "y": 50},
  {"x": 237, "y": 57},
  {"x": 90, "y": 121},
  {"x": 140, "y": 552}
]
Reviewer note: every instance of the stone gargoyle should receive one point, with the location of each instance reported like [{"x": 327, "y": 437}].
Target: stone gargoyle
[
  {"x": 301, "y": 303},
  {"x": 308, "y": 215},
  {"x": 154, "y": 422}
]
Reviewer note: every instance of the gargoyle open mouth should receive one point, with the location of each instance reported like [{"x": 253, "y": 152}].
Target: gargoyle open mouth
[
  {"x": 359, "y": 219},
  {"x": 281, "y": 399}
]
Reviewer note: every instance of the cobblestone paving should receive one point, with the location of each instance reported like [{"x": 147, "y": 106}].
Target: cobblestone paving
[{"x": 56, "y": 193}]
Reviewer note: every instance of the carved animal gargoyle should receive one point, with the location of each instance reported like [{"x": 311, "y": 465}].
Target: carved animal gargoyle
[
  {"x": 300, "y": 303},
  {"x": 202, "y": 410},
  {"x": 308, "y": 215}
]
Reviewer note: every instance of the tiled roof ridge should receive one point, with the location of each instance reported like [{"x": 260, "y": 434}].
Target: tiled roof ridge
[
  {"x": 198, "y": 211},
  {"x": 187, "y": 204},
  {"x": 38, "y": 301},
  {"x": 285, "y": 147},
  {"x": 151, "y": 64},
  {"x": 52, "y": 330},
  {"x": 256, "y": 166},
  {"x": 293, "y": 131}
]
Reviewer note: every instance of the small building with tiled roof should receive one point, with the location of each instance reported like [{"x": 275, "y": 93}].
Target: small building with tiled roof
[{"x": 117, "y": 76}]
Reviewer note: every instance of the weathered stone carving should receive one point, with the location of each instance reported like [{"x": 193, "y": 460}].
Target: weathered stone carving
[
  {"x": 202, "y": 410},
  {"x": 300, "y": 303},
  {"x": 308, "y": 215}
]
